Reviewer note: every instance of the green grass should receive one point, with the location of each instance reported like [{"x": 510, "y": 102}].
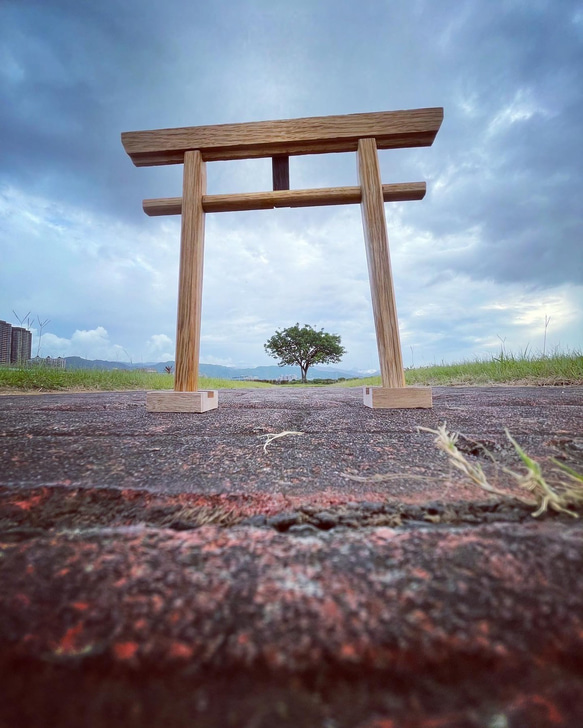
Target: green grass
[
  {"x": 40, "y": 379},
  {"x": 557, "y": 370}
]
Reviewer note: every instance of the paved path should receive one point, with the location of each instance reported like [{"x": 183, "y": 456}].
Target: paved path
[
  {"x": 109, "y": 439},
  {"x": 167, "y": 570}
]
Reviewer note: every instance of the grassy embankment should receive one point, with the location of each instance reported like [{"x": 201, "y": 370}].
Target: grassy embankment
[
  {"x": 40, "y": 379},
  {"x": 553, "y": 370},
  {"x": 557, "y": 369}
]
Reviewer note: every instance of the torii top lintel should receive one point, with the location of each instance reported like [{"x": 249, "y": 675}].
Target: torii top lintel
[{"x": 313, "y": 135}]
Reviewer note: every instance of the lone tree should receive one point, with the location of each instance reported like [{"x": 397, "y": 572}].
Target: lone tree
[{"x": 304, "y": 346}]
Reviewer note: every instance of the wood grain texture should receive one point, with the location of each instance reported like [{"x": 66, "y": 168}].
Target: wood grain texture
[
  {"x": 398, "y": 397},
  {"x": 164, "y": 401},
  {"x": 280, "y": 172},
  {"x": 190, "y": 274},
  {"x": 285, "y": 198},
  {"x": 315, "y": 135},
  {"x": 379, "y": 265}
]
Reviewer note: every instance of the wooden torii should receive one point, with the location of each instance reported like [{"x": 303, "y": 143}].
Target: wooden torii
[{"x": 361, "y": 133}]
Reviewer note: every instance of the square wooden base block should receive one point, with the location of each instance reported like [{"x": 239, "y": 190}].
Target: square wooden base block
[
  {"x": 182, "y": 401},
  {"x": 397, "y": 398}
]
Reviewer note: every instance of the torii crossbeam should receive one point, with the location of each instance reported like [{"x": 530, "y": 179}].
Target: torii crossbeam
[{"x": 361, "y": 133}]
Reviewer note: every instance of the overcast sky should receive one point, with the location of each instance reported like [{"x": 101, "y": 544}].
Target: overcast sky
[{"x": 491, "y": 254}]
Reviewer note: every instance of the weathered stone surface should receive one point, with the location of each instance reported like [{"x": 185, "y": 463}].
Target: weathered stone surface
[
  {"x": 165, "y": 570},
  {"x": 110, "y": 440}
]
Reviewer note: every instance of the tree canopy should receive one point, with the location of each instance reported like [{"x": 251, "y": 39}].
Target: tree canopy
[{"x": 304, "y": 346}]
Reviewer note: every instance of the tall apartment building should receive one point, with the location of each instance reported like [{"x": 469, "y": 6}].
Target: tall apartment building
[
  {"x": 5, "y": 342},
  {"x": 15, "y": 344},
  {"x": 21, "y": 345}
]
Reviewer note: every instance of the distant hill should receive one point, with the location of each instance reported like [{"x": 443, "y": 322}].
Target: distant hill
[
  {"x": 77, "y": 362},
  {"x": 218, "y": 371}
]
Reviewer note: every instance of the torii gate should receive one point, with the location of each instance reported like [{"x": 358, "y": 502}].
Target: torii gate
[{"x": 196, "y": 145}]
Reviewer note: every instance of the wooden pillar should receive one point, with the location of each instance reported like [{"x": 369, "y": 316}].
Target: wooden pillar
[
  {"x": 190, "y": 274},
  {"x": 393, "y": 394},
  {"x": 186, "y": 397},
  {"x": 379, "y": 265}
]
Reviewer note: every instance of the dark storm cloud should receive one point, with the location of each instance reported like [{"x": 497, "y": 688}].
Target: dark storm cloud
[
  {"x": 512, "y": 139},
  {"x": 59, "y": 70},
  {"x": 74, "y": 75}
]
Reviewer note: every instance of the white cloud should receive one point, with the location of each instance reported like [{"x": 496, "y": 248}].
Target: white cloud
[
  {"x": 522, "y": 108},
  {"x": 159, "y": 347},
  {"x": 89, "y": 344},
  {"x": 97, "y": 344},
  {"x": 267, "y": 270},
  {"x": 160, "y": 341}
]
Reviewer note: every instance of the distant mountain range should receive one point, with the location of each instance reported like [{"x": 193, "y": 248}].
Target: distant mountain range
[{"x": 218, "y": 371}]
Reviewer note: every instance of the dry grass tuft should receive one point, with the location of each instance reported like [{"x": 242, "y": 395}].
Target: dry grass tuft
[
  {"x": 204, "y": 516},
  {"x": 558, "y": 496},
  {"x": 382, "y": 477},
  {"x": 271, "y": 436},
  {"x": 560, "y": 492}
]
